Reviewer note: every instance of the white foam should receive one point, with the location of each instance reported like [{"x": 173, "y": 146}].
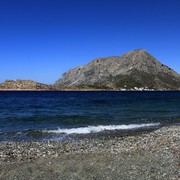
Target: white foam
[{"x": 95, "y": 129}]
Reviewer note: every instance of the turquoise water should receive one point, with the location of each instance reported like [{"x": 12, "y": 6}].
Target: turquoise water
[{"x": 26, "y": 116}]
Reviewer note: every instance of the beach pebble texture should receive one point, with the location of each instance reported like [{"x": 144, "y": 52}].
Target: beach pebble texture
[{"x": 153, "y": 155}]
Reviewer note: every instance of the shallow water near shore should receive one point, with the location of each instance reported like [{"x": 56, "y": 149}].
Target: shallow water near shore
[{"x": 42, "y": 116}]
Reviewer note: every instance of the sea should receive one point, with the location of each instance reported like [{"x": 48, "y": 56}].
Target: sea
[{"x": 59, "y": 115}]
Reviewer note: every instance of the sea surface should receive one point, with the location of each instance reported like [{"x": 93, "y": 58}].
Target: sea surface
[{"x": 51, "y": 115}]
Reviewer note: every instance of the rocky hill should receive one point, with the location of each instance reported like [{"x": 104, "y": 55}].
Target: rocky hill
[
  {"x": 24, "y": 85},
  {"x": 133, "y": 70}
]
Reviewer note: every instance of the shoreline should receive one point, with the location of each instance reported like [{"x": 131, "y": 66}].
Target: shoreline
[
  {"x": 48, "y": 136},
  {"x": 91, "y": 90},
  {"x": 147, "y": 155}
]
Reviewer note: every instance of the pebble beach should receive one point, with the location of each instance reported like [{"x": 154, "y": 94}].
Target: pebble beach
[{"x": 147, "y": 155}]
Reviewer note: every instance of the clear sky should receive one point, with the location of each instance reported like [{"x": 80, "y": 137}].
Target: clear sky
[{"x": 41, "y": 39}]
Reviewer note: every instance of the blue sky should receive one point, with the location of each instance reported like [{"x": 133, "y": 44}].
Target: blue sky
[{"x": 41, "y": 39}]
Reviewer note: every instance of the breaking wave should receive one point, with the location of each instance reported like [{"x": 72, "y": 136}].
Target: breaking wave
[{"x": 96, "y": 129}]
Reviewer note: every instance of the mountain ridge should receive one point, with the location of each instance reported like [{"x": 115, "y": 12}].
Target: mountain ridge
[{"x": 135, "y": 69}]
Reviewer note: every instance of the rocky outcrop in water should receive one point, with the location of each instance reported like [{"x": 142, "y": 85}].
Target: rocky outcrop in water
[{"x": 134, "y": 70}]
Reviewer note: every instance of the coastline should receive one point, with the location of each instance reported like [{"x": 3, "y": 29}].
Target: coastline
[
  {"x": 89, "y": 90},
  {"x": 148, "y": 155}
]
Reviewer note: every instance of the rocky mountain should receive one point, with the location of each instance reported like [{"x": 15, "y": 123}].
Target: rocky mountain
[
  {"x": 25, "y": 85},
  {"x": 133, "y": 70}
]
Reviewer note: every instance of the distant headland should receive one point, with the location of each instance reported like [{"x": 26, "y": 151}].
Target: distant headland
[
  {"x": 25, "y": 85},
  {"x": 135, "y": 70}
]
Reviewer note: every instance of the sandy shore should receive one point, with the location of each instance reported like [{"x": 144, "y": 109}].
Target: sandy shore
[{"x": 153, "y": 155}]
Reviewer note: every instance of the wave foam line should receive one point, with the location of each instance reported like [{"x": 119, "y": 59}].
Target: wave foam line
[{"x": 96, "y": 129}]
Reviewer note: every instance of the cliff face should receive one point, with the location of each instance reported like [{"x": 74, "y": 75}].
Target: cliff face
[
  {"x": 137, "y": 68},
  {"x": 24, "y": 85}
]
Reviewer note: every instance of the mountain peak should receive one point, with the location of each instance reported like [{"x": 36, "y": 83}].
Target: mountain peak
[
  {"x": 137, "y": 68},
  {"x": 140, "y": 50}
]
